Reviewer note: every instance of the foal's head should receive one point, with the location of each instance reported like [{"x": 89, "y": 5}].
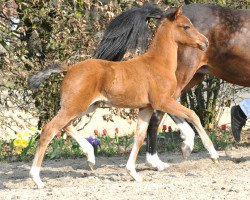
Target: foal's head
[{"x": 185, "y": 33}]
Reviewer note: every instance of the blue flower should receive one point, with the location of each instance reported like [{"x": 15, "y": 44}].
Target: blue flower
[
  {"x": 96, "y": 142},
  {"x": 90, "y": 139}
]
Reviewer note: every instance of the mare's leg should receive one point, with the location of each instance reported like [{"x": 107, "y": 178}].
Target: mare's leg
[
  {"x": 63, "y": 117},
  {"x": 151, "y": 157},
  {"x": 142, "y": 125},
  {"x": 187, "y": 134},
  {"x": 173, "y": 107}
]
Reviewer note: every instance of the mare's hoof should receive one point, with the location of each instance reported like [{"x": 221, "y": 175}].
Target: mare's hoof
[
  {"x": 186, "y": 150},
  {"x": 162, "y": 166},
  {"x": 159, "y": 165},
  {"x": 91, "y": 165},
  {"x": 154, "y": 161}
]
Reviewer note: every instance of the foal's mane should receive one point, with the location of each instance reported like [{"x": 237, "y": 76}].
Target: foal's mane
[{"x": 127, "y": 31}]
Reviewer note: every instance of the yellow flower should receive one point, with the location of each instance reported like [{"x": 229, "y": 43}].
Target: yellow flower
[
  {"x": 19, "y": 150},
  {"x": 159, "y": 130},
  {"x": 24, "y": 143},
  {"x": 33, "y": 129},
  {"x": 17, "y": 142},
  {"x": 26, "y": 134},
  {"x": 18, "y": 135}
]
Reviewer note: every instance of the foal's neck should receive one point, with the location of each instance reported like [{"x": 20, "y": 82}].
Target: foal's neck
[{"x": 163, "y": 47}]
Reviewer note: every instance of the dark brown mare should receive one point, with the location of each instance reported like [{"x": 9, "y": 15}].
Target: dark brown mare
[
  {"x": 227, "y": 57},
  {"x": 147, "y": 82}
]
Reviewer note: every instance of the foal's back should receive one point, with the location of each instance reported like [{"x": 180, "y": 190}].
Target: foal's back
[{"x": 121, "y": 84}]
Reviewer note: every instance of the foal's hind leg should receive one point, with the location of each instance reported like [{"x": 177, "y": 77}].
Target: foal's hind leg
[
  {"x": 87, "y": 148},
  {"x": 177, "y": 109},
  {"x": 142, "y": 125},
  {"x": 58, "y": 122}
]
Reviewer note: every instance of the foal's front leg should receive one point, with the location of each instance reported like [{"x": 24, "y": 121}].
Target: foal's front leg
[
  {"x": 179, "y": 110},
  {"x": 187, "y": 134},
  {"x": 142, "y": 125}
]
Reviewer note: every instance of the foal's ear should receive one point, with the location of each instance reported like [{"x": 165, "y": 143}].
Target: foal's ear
[{"x": 178, "y": 12}]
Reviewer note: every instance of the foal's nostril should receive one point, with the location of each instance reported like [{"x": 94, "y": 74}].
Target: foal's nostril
[
  {"x": 203, "y": 46},
  {"x": 206, "y": 43}
]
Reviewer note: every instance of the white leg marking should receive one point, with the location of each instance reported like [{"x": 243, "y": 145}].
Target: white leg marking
[
  {"x": 155, "y": 162},
  {"x": 187, "y": 133},
  {"x": 87, "y": 148},
  {"x": 142, "y": 125},
  {"x": 214, "y": 154},
  {"x": 35, "y": 175},
  {"x": 131, "y": 165}
]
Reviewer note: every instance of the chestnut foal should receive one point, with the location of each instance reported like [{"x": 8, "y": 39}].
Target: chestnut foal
[{"x": 147, "y": 82}]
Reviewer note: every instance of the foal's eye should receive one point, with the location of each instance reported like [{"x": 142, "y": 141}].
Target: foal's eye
[{"x": 186, "y": 27}]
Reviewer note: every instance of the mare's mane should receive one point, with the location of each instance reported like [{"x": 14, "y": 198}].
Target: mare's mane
[{"x": 127, "y": 31}]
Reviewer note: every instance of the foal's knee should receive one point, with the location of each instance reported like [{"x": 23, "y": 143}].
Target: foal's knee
[{"x": 194, "y": 117}]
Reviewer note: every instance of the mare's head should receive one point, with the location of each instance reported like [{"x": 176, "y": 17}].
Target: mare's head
[{"x": 184, "y": 32}]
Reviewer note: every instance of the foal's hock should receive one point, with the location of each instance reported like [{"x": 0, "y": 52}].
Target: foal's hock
[{"x": 147, "y": 82}]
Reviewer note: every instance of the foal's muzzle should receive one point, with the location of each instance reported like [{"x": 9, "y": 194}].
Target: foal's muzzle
[{"x": 203, "y": 46}]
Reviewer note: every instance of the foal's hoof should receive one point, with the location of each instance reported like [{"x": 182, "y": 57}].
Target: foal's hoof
[
  {"x": 40, "y": 186},
  {"x": 135, "y": 176},
  {"x": 215, "y": 160},
  {"x": 38, "y": 182},
  {"x": 91, "y": 165},
  {"x": 186, "y": 150}
]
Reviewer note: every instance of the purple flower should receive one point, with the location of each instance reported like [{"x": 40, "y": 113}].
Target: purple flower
[
  {"x": 90, "y": 139},
  {"x": 96, "y": 142}
]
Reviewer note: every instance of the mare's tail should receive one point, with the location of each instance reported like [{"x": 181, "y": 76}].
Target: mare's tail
[
  {"x": 127, "y": 31},
  {"x": 37, "y": 79}
]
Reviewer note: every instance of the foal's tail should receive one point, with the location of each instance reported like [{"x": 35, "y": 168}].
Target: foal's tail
[
  {"x": 127, "y": 31},
  {"x": 37, "y": 79}
]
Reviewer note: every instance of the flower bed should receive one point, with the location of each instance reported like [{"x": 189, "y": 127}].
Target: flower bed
[{"x": 23, "y": 145}]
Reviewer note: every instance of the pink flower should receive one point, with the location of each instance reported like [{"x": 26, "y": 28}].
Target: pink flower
[
  {"x": 116, "y": 130},
  {"x": 104, "y": 132},
  {"x": 96, "y": 132},
  {"x": 223, "y": 127},
  {"x": 58, "y": 134},
  {"x": 164, "y": 127}
]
